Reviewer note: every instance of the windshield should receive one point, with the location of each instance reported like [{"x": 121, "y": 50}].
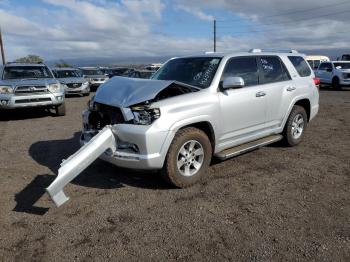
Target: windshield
[
  {"x": 342, "y": 65},
  {"x": 25, "y": 72},
  {"x": 196, "y": 71},
  {"x": 67, "y": 73},
  {"x": 91, "y": 72}
]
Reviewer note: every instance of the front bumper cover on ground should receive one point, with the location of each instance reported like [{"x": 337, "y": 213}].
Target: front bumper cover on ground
[{"x": 70, "y": 168}]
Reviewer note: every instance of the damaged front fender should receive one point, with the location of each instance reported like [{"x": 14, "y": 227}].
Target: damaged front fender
[{"x": 70, "y": 168}]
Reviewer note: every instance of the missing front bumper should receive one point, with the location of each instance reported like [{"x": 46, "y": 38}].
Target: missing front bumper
[{"x": 70, "y": 168}]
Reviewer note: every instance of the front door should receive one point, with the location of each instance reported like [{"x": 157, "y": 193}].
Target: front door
[{"x": 243, "y": 110}]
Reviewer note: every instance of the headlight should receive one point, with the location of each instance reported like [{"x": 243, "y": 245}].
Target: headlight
[
  {"x": 144, "y": 115},
  {"x": 346, "y": 75},
  {"x": 54, "y": 88},
  {"x": 6, "y": 90}
]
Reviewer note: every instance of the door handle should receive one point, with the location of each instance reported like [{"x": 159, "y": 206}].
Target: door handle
[
  {"x": 260, "y": 94},
  {"x": 291, "y": 88}
]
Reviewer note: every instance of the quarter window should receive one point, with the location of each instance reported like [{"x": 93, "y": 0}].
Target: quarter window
[
  {"x": 273, "y": 70},
  {"x": 245, "y": 67},
  {"x": 300, "y": 65}
]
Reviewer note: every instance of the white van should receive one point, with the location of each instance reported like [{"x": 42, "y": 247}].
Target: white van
[{"x": 316, "y": 60}]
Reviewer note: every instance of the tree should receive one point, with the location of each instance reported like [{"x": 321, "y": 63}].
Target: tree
[
  {"x": 30, "y": 59},
  {"x": 62, "y": 63}
]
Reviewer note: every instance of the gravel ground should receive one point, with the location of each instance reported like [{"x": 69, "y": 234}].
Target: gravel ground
[{"x": 273, "y": 204}]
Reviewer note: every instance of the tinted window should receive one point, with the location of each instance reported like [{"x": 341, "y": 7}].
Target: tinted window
[
  {"x": 325, "y": 66},
  {"x": 273, "y": 70},
  {"x": 245, "y": 67},
  {"x": 342, "y": 65},
  {"x": 300, "y": 65},
  {"x": 66, "y": 73}
]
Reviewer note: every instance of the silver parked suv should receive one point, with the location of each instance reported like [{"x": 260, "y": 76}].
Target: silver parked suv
[
  {"x": 72, "y": 81},
  {"x": 195, "y": 108},
  {"x": 30, "y": 85}
]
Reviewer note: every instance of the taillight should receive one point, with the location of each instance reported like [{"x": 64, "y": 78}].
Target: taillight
[{"x": 317, "y": 81}]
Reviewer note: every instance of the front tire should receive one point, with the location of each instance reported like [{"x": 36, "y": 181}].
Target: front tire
[
  {"x": 295, "y": 127},
  {"x": 188, "y": 158},
  {"x": 61, "y": 110},
  {"x": 336, "y": 83}
]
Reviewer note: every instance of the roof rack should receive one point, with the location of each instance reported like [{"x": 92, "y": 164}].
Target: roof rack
[{"x": 258, "y": 50}]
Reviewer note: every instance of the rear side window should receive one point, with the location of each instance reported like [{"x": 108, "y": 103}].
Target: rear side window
[
  {"x": 300, "y": 65},
  {"x": 272, "y": 70},
  {"x": 245, "y": 67},
  {"x": 325, "y": 66}
]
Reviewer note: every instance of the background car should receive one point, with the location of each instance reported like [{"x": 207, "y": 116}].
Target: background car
[
  {"x": 335, "y": 73},
  {"x": 145, "y": 74},
  {"x": 72, "y": 81},
  {"x": 24, "y": 85},
  {"x": 94, "y": 75}
]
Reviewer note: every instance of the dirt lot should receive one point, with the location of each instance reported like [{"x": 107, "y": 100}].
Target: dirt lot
[{"x": 275, "y": 203}]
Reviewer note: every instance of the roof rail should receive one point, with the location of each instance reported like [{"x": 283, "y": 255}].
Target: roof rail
[{"x": 258, "y": 50}]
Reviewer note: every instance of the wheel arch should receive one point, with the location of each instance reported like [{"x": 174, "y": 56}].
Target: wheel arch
[
  {"x": 306, "y": 104},
  {"x": 207, "y": 128}
]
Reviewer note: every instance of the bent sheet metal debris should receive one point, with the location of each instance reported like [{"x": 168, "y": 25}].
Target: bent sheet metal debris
[{"x": 70, "y": 168}]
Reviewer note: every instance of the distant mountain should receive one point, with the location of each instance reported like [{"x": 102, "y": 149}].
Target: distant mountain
[{"x": 98, "y": 61}]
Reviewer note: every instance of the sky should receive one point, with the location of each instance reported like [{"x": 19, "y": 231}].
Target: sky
[{"x": 62, "y": 29}]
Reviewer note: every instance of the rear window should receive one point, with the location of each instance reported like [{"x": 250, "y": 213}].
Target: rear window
[{"x": 300, "y": 65}]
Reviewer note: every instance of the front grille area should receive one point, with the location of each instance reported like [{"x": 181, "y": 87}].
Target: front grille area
[
  {"x": 105, "y": 115},
  {"x": 31, "y": 90},
  {"x": 32, "y": 100},
  {"x": 74, "y": 85}
]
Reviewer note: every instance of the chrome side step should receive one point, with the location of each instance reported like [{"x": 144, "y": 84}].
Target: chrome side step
[
  {"x": 238, "y": 150},
  {"x": 76, "y": 163}
]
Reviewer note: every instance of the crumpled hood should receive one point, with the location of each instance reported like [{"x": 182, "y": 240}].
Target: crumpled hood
[
  {"x": 71, "y": 80},
  {"x": 124, "y": 92},
  {"x": 28, "y": 82}
]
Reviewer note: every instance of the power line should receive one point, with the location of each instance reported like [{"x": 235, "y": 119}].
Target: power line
[{"x": 288, "y": 13}]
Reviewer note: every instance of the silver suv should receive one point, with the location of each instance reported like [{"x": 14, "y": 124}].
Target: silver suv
[
  {"x": 72, "y": 81},
  {"x": 30, "y": 85},
  {"x": 195, "y": 108}
]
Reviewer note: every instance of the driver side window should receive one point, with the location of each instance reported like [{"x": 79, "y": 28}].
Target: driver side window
[{"x": 245, "y": 67}]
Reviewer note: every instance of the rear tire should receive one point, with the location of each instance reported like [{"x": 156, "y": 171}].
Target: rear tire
[
  {"x": 61, "y": 110},
  {"x": 188, "y": 158},
  {"x": 295, "y": 126}
]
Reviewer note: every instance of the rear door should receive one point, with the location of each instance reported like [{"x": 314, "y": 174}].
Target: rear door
[{"x": 278, "y": 86}]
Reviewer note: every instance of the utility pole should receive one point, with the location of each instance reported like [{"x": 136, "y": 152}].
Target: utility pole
[
  {"x": 214, "y": 35},
  {"x": 2, "y": 49}
]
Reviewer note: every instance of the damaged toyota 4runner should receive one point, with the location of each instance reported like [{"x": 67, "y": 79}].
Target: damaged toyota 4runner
[{"x": 195, "y": 108}]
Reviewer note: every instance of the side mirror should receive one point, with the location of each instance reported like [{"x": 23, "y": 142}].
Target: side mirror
[
  {"x": 232, "y": 82},
  {"x": 338, "y": 67}
]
